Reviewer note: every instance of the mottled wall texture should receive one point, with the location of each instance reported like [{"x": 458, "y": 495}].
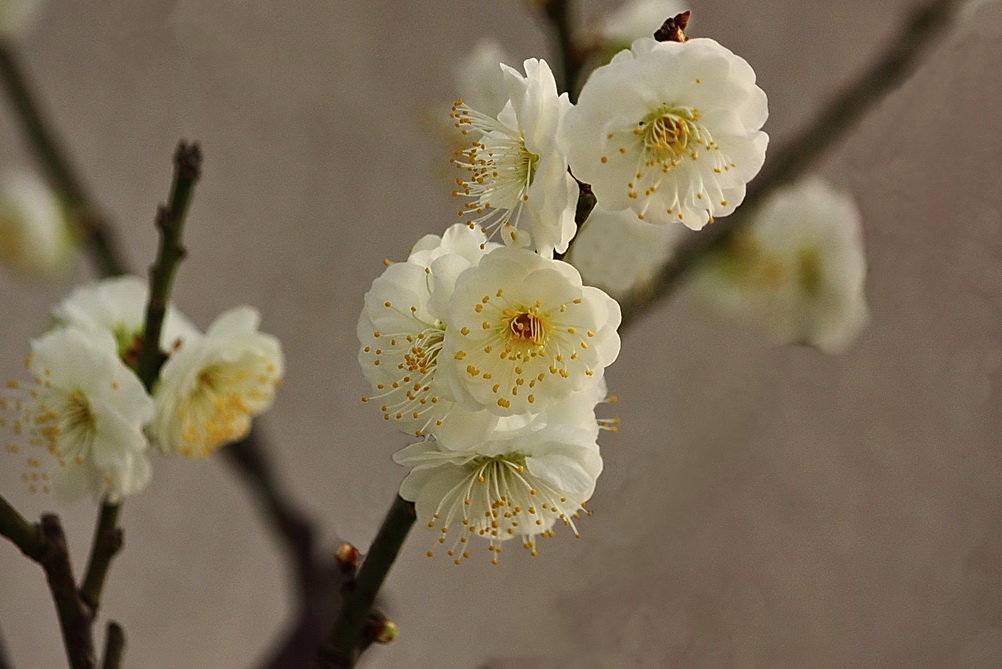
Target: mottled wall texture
[{"x": 762, "y": 506}]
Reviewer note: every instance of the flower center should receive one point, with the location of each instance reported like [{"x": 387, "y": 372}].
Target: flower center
[
  {"x": 667, "y": 131},
  {"x": 809, "y": 270},
  {"x": 525, "y": 326}
]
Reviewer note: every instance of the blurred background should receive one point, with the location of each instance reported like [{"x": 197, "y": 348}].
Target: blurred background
[{"x": 761, "y": 505}]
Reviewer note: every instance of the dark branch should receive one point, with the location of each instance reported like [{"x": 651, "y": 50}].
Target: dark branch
[
  {"x": 114, "y": 646},
  {"x": 346, "y": 639}
]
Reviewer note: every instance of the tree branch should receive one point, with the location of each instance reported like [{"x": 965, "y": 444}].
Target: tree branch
[
  {"x": 24, "y": 535},
  {"x": 345, "y": 642},
  {"x": 5, "y": 661},
  {"x": 74, "y": 615},
  {"x": 170, "y": 223},
  {"x": 99, "y": 238},
  {"x": 917, "y": 34},
  {"x": 114, "y": 646},
  {"x": 106, "y": 545}
]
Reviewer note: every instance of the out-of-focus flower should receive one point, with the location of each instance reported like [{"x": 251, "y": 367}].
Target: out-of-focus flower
[
  {"x": 212, "y": 387},
  {"x": 634, "y": 19},
  {"x": 83, "y": 415},
  {"x": 504, "y": 488},
  {"x": 669, "y": 130},
  {"x": 798, "y": 269},
  {"x": 17, "y": 16},
  {"x": 523, "y": 333},
  {"x": 118, "y": 306},
  {"x": 481, "y": 80},
  {"x": 515, "y": 172},
  {"x": 620, "y": 254},
  {"x": 36, "y": 237}
]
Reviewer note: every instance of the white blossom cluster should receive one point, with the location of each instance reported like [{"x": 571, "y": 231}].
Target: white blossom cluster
[
  {"x": 493, "y": 352},
  {"x": 86, "y": 418}
]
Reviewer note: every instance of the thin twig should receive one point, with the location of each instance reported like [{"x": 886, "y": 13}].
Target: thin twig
[
  {"x": 918, "y": 33},
  {"x": 170, "y": 223},
  {"x": 107, "y": 543},
  {"x": 114, "y": 646},
  {"x": 345, "y": 639},
  {"x": 100, "y": 240}
]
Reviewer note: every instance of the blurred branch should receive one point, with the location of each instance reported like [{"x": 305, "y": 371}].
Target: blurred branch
[
  {"x": 107, "y": 543},
  {"x": 560, "y": 16},
  {"x": 170, "y": 223},
  {"x": 114, "y": 646},
  {"x": 75, "y": 617},
  {"x": 100, "y": 240},
  {"x": 318, "y": 581},
  {"x": 345, "y": 641},
  {"x": 22, "y": 534},
  {"x": 5, "y": 662},
  {"x": 919, "y": 32}
]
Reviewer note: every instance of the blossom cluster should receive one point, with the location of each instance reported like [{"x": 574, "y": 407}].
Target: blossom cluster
[
  {"x": 88, "y": 419},
  {"x": 487, "y": 347}
]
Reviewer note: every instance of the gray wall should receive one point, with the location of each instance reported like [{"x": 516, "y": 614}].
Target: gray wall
[{"x": 762, "y": 506}]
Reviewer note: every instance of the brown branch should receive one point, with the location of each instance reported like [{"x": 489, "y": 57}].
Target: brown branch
[
  {"x": 114, "y": 646},
  {"x": 107, "y": 543},
  {"x": 918, "y": 33},
  {"x": 75, "y": 616},
  {"x": 5, "y": 661}
]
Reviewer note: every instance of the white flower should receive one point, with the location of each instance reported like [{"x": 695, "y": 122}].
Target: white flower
[
  {"x": 620, "y": 254},
  {"x": 637, "y": 18},
  {"x": 83, "y": 414},
  {"x": 17, "y": 16},
  {"x": 523, "y": 332},
  {"x": 211, "y": 388},
  {"x": 36, "y": 238},
  {"x": 669, "y": 130},
  {"x": 515, "y": 172},
  {"x": 402, "y": 326},
  {"x": 118, "y": 306},
  {"x": 481, "y": 80},
  {"x": 798, "y": 269},
  {"x": 504, "y": 488}
]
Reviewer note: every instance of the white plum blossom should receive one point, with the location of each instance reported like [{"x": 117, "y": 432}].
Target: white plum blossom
[
  {"x": 620, "y": 254},
  {"x": 402, "y": 327},
  {"x": 118, "y": 306},
  {"x": 211, "y": 388},
  {"x": 798, "y": 269},
  {"x": 637, "y": 18},
  {"x": 83, "y": 414},
  {"x": 523, "y": 333},
  {"x": 669, "y": 130},
  {"x": 515, "y": 172},
  {"x": 36, "y": 236},
  {"x": 504, "y": 488}
]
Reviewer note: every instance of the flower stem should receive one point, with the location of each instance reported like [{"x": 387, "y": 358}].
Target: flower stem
[
  {"x": 170, "y": 222},
  {"x": 75, "y": 618},
  {"x": 99, "y": 238},
  {"x": 344, "y": 643},
  {"x": 919, "y": 31}
]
